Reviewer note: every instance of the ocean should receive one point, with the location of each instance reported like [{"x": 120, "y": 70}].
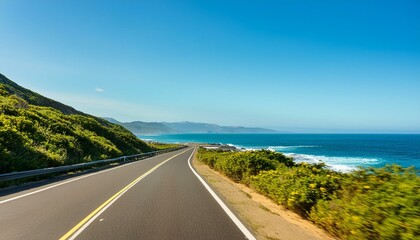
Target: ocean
[{"x": 341, "y": 152}]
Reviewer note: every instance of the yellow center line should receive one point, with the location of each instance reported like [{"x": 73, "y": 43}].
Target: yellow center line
[{"x": 119, "y": 193}]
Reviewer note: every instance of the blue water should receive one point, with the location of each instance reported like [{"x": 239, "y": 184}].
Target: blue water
[{"x": 342, "y": 152}]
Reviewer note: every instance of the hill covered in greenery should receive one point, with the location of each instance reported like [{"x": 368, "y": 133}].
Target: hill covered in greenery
[
  {"x": 34, "y": 98},
  {"x": 37, "y": 132}
]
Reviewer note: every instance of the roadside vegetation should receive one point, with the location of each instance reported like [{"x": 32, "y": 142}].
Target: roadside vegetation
[
  {"x": 370, "y": 203},
  {"x": 162, "y": 146}
]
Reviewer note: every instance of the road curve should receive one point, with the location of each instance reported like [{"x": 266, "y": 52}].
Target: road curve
[{"x": 157, "y": 198}]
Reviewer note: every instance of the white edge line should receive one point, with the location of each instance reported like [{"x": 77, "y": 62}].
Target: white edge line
[
  {"x": 81, "y": 229},
  {"x": 72, "y": 180},
  {"x": 232, "y": 216}
]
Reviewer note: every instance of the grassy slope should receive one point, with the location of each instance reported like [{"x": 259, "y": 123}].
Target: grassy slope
[
  {"x": 37, "y": 132},
  {"x": 35, "y": 98}
]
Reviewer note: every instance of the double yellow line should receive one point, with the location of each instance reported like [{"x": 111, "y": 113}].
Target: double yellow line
[{"x": 114, "y": 197}]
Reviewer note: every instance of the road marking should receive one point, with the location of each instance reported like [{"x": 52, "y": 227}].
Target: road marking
[
  {"x": 82, "y": 225},
  {"x": 232, "y": 216},
  {"x": 69, "y": 181}
]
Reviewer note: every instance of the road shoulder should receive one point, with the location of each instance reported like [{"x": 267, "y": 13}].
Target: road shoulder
[{"x": 267, "y": 219}]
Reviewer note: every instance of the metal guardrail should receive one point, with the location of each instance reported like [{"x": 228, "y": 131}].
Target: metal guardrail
[{"x": 38, "y": 172}]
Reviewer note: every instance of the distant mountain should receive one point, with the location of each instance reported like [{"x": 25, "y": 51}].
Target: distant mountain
[
  {"x": 192, "y": 127},
  {"x": 112, "y": 120},
  {"x": 148, "y": 127},
  {"x": 38, "y": 132},
  {"x": 144, "y": 128},
  {"x": 152, "y": 128}
]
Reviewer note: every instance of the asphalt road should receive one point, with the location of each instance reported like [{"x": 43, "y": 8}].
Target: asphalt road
[{"x": 157, "y": 198}]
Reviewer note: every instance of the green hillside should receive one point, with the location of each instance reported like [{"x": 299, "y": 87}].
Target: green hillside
[
  {"x": 37, "y": 132},
  {"x": 35, "y": 98}
]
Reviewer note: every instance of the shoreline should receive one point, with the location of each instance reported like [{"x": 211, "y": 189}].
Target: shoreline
[
  {"x": 345, "y": 153},
  {"x": 297, "y": 157}
]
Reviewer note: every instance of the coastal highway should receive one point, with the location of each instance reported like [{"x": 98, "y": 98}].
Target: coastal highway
[{"x": 156, "y": 198}]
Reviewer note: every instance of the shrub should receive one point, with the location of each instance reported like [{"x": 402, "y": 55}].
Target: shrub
[
  {"x": 371, "y": 203},
  {"x": 240, "y": 166},
  {"x": 374, "y": 203},
  {"x": 298, "y": 188}
]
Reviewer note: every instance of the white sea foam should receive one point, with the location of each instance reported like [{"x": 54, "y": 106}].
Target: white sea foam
[
  {"x": 342, "y": 164},
  {"x": 243, "y": 148},
  {"x": 279, "y": 148}
]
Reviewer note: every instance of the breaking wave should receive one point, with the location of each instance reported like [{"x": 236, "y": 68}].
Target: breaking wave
[
  {"x": 282, "y": 148},
  {"x": 341, "y": 164}
]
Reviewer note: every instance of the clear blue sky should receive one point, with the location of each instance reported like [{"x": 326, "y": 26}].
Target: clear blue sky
[{"x": 308, "y": 66}]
